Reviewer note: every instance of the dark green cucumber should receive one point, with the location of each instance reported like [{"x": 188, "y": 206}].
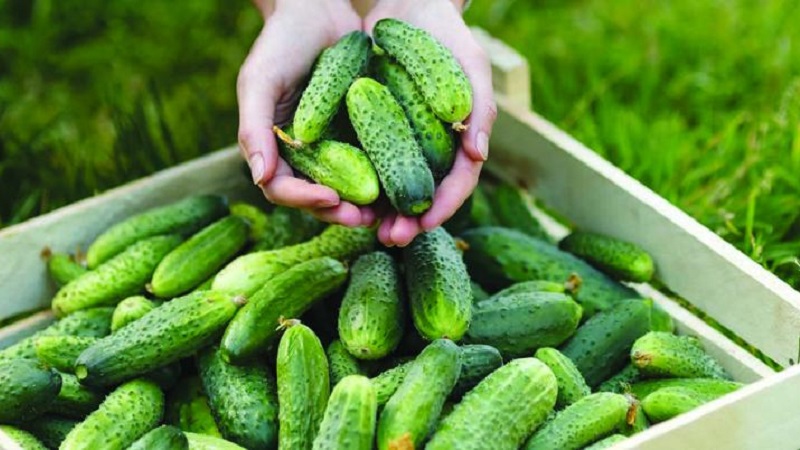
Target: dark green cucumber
[
  {"x": 287, "y": 295},
  {"x": 461, "y": 220},
  {"x": 703, "y": 387},
  {"x": 662, "y": 354},
  {"x": 199, "y": 257},
  {"x": 22, "y": 439},
  {"x": 438, "y": 286},
  {"x": 166, "y": 334},
  {"x": 341, "y": 362},
  {"x": 187, "y": 408},
  {"x": 121, "y": 276},
  {"x": 287, "y": 226},
  {"x": 50, "y": 429},
  {"x": 434, "y": 69},
  {"x": 518, "y": 324},
  {"x": 512, "y": 208},
  {"x": 477, "y": 361},
  {"x": 668, "y": 402},
  {"x": 388, "y": 140},
  {"x": 205, "y": 442},
  {"x": 434, "y": 138},
  {"x": 303, "y": 387},
  {"x": 60, "y": 352},
  {"x": 606, "y": 442},
  {"x": 75, "y": 400},
  {"x": 533, "y": 286},
  {"x": 601, "y": 346},
  {"x": 571, "y": 385},
  {"x": 481, "y": 213},
  {"x": 183, "y": 217},
  {"x": 130, "y": 411},
  {"x": 501, "y": 411},
  {"x": 387, "y": 382},
  {"x": 165, "y": 437},
  {"x": 622, "y": 260},
  {"x": 26, "y": 389},
  {"x": 621, "y": 381},
  {"x": 63, "y": 268},
  {"x": 130, "y": 309},
  {"x": 255, "y": 217},
  {"x": 413, "y": 410},
  {"x": 166, "y": 376},
  {"x": 499, "y": 257},
  {"x": 349, "y": 421},
  {"x": 334, "y": 72},
  {"x": 372, "y": 314},
  {"x": 584, "y": 422}
]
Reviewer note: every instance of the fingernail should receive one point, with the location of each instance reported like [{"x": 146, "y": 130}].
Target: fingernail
[
  {"x": 327, "y": 203},
  {"x": 257, "y": 168},
  {"x": 483, "y": 145}
]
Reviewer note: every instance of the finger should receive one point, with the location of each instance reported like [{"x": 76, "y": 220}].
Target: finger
[
  {"x": 344, "y": 213},
  {"x": 285, "y": 189},
  {"x": 368, "y": 216},
  {"x": 454, "y": 189},
  {"x": 404, "y": 230},
  {"x": 475, "y": 140},
  {"x": 385, "y": 230}
]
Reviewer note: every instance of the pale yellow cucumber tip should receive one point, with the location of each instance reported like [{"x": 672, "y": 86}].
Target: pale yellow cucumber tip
[
  {"x": 288, "y": 140},
  {"x": 460, "y": 127},
  {"x": 81, "y": 372}
]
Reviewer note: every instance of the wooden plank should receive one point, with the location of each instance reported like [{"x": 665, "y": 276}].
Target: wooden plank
[
  {"x": 510, "y": 72},
  {"x": 23, "y": 328}
]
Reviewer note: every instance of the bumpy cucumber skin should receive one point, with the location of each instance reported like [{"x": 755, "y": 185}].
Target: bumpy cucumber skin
[
  {"x": 199, "y": 441},
  {"x": 23, "y": 439},
  {"x": 412, "y": 411},
  {"x": 63, "y": 268},
  {"x": 26, "y": 389},
  {"x": 477, "y": 362},
  {"x": 518, "y": 324},
  {"x": 50, "y": 429},
  {"x": 660, "y": 320},
  {"x": 435, "y": 140},
  {"x": 303, "y": 387},
  {"x": 582, "y": 423},
  {"x": 387, "y": 382},
  {"x": 287, "y": 226},
  {"x": 255, "y": 217},
  {"x": 170, "y": 332},
  {"x": 662, "y": 354},
  {"x": 533, "y": 286},
  {"x": 668, "y": 402},
  {"x": 601, "y": 346},
  {"x": 621, "y": 381},
  {"x": 349, "y": 421},
  {"x": 606, "y": 442},
  {"x": 75, "y": 400},
  {"x": 243, "y": 400},
  {"x": 511, "y": 206},
  {"x": 199, "y": 257},
  {"x": 247, "y": 274},
  {"x": 372, "y": 314},
  {"x": 128, "y": 412},
  {"x": 388, "y": 140},
  {"x": 60, "y": 352},
  {"x": 636, "y": 421},
  {"x": 481, "y": 213},
  {"x": 498, "y": 257},
  {"x": 571, "y": 385},
  {"x": 622, "y": 260},
  {"x": 287, "y": 295},
  {"x": 164, "y": 437},
  {"x": 436, "y": 72},
  {"x": 502, "y": 410},
  {"x": 703, "y": 387},
  {"x": 341, "y": 362},
  {"x": 183, "y": 217},
  {"x": 122, "y": 276},
  {"x": 187, "y": 408},
  {"x": 334, "y": 72},
  {"x": 438, "y": 286},
  {"x": 129, "y": 310}
]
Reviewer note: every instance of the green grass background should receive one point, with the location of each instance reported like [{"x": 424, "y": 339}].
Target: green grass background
[{"x": 698, "y": 100}]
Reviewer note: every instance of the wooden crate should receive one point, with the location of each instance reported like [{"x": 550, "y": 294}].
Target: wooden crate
[{"x": 584, "y": 189}]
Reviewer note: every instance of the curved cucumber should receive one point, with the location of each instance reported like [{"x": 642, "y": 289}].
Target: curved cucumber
[
  {"x": 668, "y": 402},
  {"x": 205, "y": 442},
  {"x": 23, "y": 440},
  {"x": 26, "y": 389},
  {"x": 704, "y": 387},
  {"x": 164, "y": 437},
  {"x": 512, "y": 208},
  {"x": 341, "y": 362},
  {"x": 349, "y": 421},
  {"x": 60, "y": 352},
  {"x": 620, "y": 259},
  {"x": 130, "y": 309},
  {"x": 571, "y": 385},
  {"x": 477, "y": 361},
  {"x": 63, "y": 268},
  {"x": 662, "y": 354}
]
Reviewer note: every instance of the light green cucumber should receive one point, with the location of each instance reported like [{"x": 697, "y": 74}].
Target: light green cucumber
[
  {"x": 130, "y": 309},
  {"x": 60, "y": 352},
  {"x": 205, "y": 442},
  {"x": 349, "y": 420},
  {"x": 668, "y": 402},
  {"x": 50, "y": 429},
  {"x": 187, "y": 408},
  {"x": 26, "y": 389},
  {"x": 622, "y": 260},
  {"x": 621, "y": 381},
  {"x": 75, "y": 400},
  {"x": 636, "y": 421},
  {"x": 387, "y": 382},
  {"x": 287, "y": 226},
  {"x": 23, "y": 440},
  {"x": 662, "y": 354},
  {"x": 512, "y": 208},
  {"x": 533, "y": 286},
  {"x": 660, "y": 320},
  {"x": 477, "y": 361},
  {"x": 481, "y": 213},
  {"x": 571, "y": 385},
  {"x": 704, "y": 387},
  {"x": 606, "y": 442},
  {"x": 63, "y": 268},
  {"x": 341, "y": 362},
  {"x": 255, "y": 217},
  {"x": 165, "y": 437}
]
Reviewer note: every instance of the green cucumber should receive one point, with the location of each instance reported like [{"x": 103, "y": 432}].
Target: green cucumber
[
  {"x": 533, "y": 286},
  {"x": 372, "y": 314},
  {"x": 183, "y": 217},
  {"x": 668, "y": 402},
  {"x": 164, "y": 437},
  {"x": 388, "y": 140},
  {"x": 571, "y": 385},
  {"x": 26, "y": 389},
  {"x": 130, "y": 309},
  {"x": 22, "y": 439},
  {"x": 199, "y": 257},
  {"x": 621, "y": 381},
  {"x": 502, "y": 410},
  {"x": 387, "y": 382},
  {"x": 130, "y": 411},
  {"x": 512, "y": 208},
  {"x": 289, "y": 294},
  {"x": 349, "y": 421},
  {"x": 242, "y": 398},
  {"x": 703, "y": 387},
  {"x": 481, "y": 213},
  {"x": 187, "y": 408},
  {"x": 636, "y": 420},
  {"x": 165, "y": 376},
  {"x": 622, "y": 260},
  {"x": 341, "y": 362},
  {"x": 334, "y": 72},
  {"x": 584, "y": 422},
  {"x": 303, "y": 386},
  {"x": 166, "y": 334},
  {"x": 60, "y": 352},
  {"x": 75, "y": 400},
  {"x": 606, "y": 442},
  {"x": 660, "y": 320},
  {"x": 255, "y": 217},
  {"x": 662, "y": 354},
  {"x": 477, "y": 362},
  {"x": 205, "y": 442},
  {"x": 478, "y": 294},
  {"x": 413, "y": 410},
  {"x": 439, "y": 288},
  {"x": 287, "y": 226},
  {"x": 601, "y": 346},
  {"x": 460, "y": 220},
  {"x": 51, "y": 430},
  {"x": 121, "y": 276},
  {"x": 63, "y": 268},
  {"x": 434, "y": 69}
]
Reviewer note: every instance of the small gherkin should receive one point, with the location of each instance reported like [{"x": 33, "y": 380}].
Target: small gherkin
[
  {"x": 349, "y": 420},
  {"x": 664, "y": 354},
  {"x": 342, "y": 363}
]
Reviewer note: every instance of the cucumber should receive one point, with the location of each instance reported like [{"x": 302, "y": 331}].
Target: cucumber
[
  {"x": 289, "y": 294},
  {"x": 477, "y": 361},
  {"x": 606, "y": 442},
  {"x": 660, "y": 320},
  {"x": 164, "y": 335},
  {"x": 460, "y": 220},
  {"x": 668, "y": 402},
  {"x": 435, "y": 71},
  {"x": 130, "y": 309},
  {"x": 121, "y": 276},
  {"x": 533, "y": 286},
  {"x": 341, "y": 362},
  {"x": 636, "y": 420},
  {"x": 130, "y": 411},
  {"x": 205, "y": 442},
  {"x": 334, "y": 72},
  {"x": 199, "y": 257},
  {"x": 187, "y": 408},
  {"x": 164, "y": 437},
  {"x": 622, "y": 260},
  {"x": 435, "y": 140},
  {"x": 22, "y": 439},
  {"x": 512, "y": 208},
  {"x": 372, "y": 313},
  {"x": 75, "y": 400},
  {"x": 601, "y": 346},
  {"x": 287, "y": 226},
  {"x": 60, "y": 352},
  {"x": 303, "y": 386},
  {"x": 255, "y": 217},
  {"x": 584, "y": 422},
  {"x": 387, "y": 382},
  {"x": 661, "y": 354},
  {"x": 384, "y": 131},
  {"x": 478, "y": 294},
  {"x": 621, "y": 381},
  {"x": 349, "y": 421},
  {"x": 518, "y": 324},
  {"x": 502, "y": 410},
  {"x": 481, "y": 213},
  {"x": 51, "y": 430},
  {"x": 571, "y": 385},
  {"x": 248, "y": 273},
  {"x": 413, "y": 410},
  {"x": 63, "y": 268},
  {"x": 26, "y": 389},
  {"x": 243, "y": 400},
  {"x": 183, "y": 217},
  {"x": 704, "y": 387},
  {"x": 166, "y": 376},
  {"x": 438, "y": 286}
]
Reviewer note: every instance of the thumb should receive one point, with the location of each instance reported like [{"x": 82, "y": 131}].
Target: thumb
[
  {"x": 477, "y": 67},
  {"x": 257, "y": 98}
]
